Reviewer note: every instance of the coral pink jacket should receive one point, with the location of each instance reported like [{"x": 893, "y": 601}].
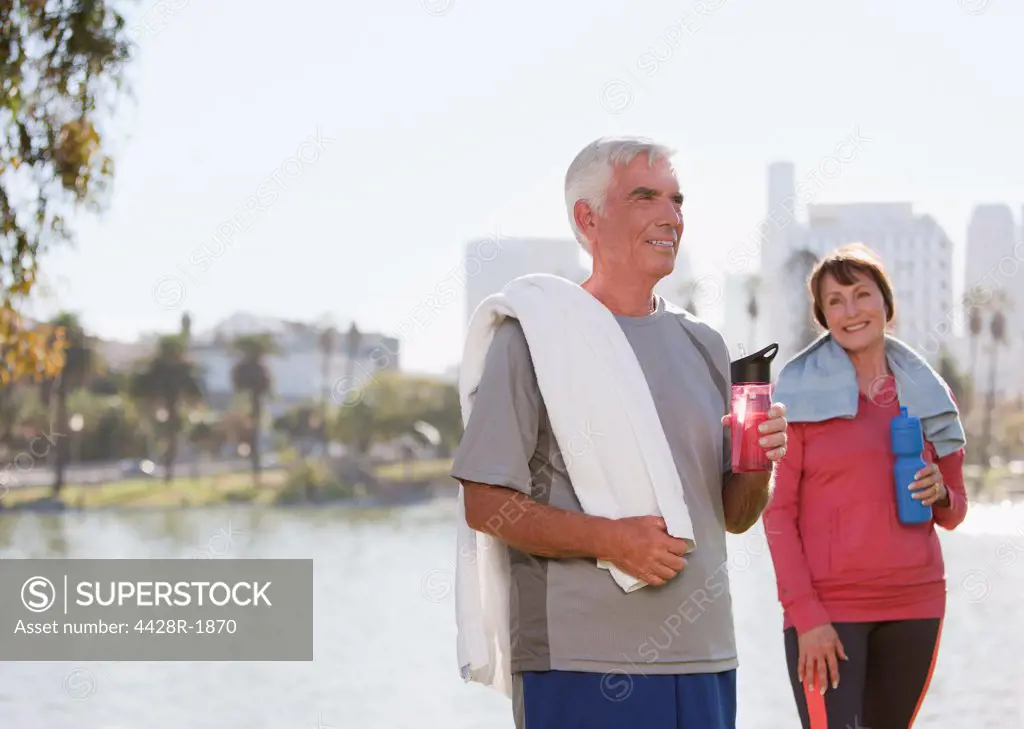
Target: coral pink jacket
[{"x": 839, "y": 551}]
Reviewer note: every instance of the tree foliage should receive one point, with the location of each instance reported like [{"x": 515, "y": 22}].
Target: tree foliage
[
  {"x": 166, "y": 382},
  {"x": 61, "y": 65},
  {"x": 251, "y": 375},
  {"x": 391, "y": 404},
  {"x": 72, "y": 374},
  {"x": 958, "y": 382}
]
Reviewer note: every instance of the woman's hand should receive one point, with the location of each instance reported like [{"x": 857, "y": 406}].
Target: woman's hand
[
  {"x": 820, "y": 651},
  {"x": 928, "y": 487}
]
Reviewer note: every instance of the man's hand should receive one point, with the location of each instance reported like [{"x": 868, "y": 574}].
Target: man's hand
[
  {"x": 745, "y": 495},
  {"x": 642, "y": 547},
  {"x": 773, "y": 432}
]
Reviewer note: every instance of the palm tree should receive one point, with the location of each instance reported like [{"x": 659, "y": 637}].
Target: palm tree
[
  {"x": 251, "y": 375},
  {"x": 353, "y": 340},
  {"x": 975, "y": 326},
  {"x": 997, "y": 332},
  {"x": 72, "y": 374},
  {"x": 800, "y": 265},
  {"x": 168, "y": 380},
  {"x": 355, "y": 413},
  {"x": 753, "y": 288},
  {"x": 949, "y": 372},
  {"x": 186, "y": 327},
  {"x": 326, "y": 342}
]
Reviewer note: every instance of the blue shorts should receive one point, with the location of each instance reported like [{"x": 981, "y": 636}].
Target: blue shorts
[{"x": 576, "y": 700}]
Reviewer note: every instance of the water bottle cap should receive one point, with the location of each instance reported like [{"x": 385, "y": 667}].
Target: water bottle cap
[
  {"x": 904, "y": 421},
  {"x": 756, "y": 367}
]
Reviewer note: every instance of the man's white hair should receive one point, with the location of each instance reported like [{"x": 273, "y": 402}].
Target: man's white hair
[{"x": 591, "y": 172}]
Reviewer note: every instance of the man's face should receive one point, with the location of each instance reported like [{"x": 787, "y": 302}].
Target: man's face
[{"x": 642, "y": 222}]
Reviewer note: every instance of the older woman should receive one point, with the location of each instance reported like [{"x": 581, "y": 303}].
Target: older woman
[{"x": 863, "y": 594}]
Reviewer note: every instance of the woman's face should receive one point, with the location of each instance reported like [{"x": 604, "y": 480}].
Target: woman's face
[{"x": 855, "y": 314}]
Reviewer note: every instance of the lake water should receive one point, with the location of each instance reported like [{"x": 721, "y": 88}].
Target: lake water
[{"x": 385, "y": 635}]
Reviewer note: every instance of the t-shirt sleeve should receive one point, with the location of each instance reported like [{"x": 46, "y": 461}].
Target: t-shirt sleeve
[
  {"x": 727, "y": 429},
  {"x": 724, "y": 362},
  {"x": 501, "y": 434}
]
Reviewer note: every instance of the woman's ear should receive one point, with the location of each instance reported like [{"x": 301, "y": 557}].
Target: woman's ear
[{"x": 888, "y": 313}]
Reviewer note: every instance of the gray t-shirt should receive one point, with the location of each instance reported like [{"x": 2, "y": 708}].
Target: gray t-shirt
[{"x": 569, "y": 614}]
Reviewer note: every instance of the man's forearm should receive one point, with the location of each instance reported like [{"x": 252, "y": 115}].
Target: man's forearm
[
  {"x": 744, "y": 497},
  {"x": 536, "y": 528}
]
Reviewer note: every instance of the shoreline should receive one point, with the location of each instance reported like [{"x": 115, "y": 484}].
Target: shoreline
[
  {"x": 396, "y": 484},
  {"x": 388, "y": 485}
]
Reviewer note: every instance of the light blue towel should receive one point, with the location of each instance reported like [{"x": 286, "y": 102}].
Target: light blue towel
[{"x": 820, "y": 383}]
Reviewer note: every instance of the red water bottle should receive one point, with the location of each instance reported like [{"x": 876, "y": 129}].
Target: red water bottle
[{"x": 751, "y": 398}]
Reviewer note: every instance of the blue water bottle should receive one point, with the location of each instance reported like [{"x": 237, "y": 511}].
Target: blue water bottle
[{"x": 907, "y": 446}]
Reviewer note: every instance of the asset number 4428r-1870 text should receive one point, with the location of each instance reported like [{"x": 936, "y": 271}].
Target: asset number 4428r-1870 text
[{"x": 164, "y": 627}]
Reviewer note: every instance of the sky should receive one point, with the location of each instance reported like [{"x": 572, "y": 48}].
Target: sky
[{"x": 321, "y": 159}]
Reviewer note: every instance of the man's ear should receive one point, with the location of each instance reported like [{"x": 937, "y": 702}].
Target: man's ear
[{"x": 583, "y": 215}]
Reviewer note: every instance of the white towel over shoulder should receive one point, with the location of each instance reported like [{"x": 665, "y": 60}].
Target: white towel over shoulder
[{"x": 592, "y": 386}]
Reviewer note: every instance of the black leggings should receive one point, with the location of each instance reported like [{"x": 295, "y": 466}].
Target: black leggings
[{"x": 883, "y": 682}]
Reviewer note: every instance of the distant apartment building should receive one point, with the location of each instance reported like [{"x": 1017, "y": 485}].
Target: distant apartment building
[
  {"x": 916, "y": 251},
  {"x": 297, "y": 369},
  {"x": 991, "y": 236}
]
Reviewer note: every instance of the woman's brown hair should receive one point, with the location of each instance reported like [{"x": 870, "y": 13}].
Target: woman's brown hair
[{"x": 842, "y": 264}]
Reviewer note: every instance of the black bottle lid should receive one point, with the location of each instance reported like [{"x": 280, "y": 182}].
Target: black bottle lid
[{"x": 756, "y": 367}]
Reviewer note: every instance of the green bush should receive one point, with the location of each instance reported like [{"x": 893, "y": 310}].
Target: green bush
[{"x": 313, "y": 482}]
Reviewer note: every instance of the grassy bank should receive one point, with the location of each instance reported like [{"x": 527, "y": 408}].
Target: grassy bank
[
  {"x": 204, "y": 491},
  {"x": 274, "y": 485}
]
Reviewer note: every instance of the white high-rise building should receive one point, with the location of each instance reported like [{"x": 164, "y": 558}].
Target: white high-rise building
[
  {"x": 915, "y": 250},
  {"x": 490, "y": 263},
  {"x": 783, "y": 267},
  {"x": 995, "y": 262},
  {"x": 991, "y": 235},
  {"x": 296, "y": 367},
  {"x": 917, "y": 254}
]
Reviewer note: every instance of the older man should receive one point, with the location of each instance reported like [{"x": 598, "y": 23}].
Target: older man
[{"x": 585, "y": 653}]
